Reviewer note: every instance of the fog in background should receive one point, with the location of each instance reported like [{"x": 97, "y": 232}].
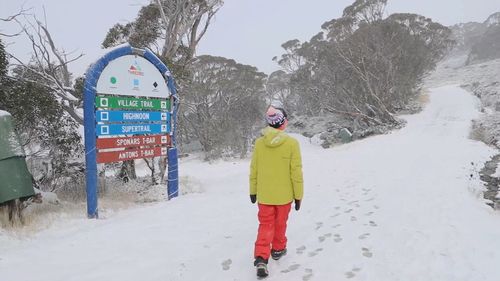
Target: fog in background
[{"x": 251, "y": 31}]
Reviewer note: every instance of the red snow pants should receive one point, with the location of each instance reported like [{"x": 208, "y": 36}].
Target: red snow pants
[{"x": 272, "y": 229}]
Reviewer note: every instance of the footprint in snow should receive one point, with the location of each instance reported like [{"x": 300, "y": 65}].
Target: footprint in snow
[
  {"x": 337, "y": 238},
  {"x": 372, "y": 223},
  {"x": 364, "y": 236},
  {"x": 352, "y": 273},
  {"x": 337, "y": 208},
  {"x": 337, "y": 225},
  {"x": 353, "y": 218},
  {"x": 336, "y": 215},
  {"x": 376, "y": 207},
  {"x": 182, "y": 269},
  {"x": 291, "y": 268},
  {"x": 366, "y": 252},
  {"x": 301, "y": 249},
  {"x": 348, "y": 211},
  {"x": 323, "y": 237},
  {"x": 309, "y": 274},
  {"x": 226, "y": 265},
  {"x": 319, "y": 225},
  {"x": 315, "y": 252},
  {"x": 369, "y": 214},
  {"x": 349, "y": 274}
]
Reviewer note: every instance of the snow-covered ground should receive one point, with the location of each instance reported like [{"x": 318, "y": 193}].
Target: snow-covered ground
[
  {"x": 402, "y": 206},
  {"x": 481, "y": 78}
]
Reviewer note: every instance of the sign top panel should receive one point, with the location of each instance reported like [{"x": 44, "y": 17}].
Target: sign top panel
[{"x": 132, "y": 75}]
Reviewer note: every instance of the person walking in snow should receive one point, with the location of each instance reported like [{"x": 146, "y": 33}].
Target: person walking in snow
[{"x": 275, "y": 182}]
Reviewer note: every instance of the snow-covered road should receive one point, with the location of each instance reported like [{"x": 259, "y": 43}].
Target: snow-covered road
[{"x": 401, "y": 206}]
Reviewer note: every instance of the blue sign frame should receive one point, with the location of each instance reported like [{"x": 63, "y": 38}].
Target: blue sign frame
[{"x": 91, "y": 78}]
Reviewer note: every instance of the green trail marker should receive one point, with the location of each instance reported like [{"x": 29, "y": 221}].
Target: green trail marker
[{"x": 132, "y": 103}]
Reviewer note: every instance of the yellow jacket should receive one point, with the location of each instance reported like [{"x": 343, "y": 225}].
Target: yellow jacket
[{"x": 276, "y": 168}]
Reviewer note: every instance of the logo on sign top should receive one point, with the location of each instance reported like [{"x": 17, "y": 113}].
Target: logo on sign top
[
  {"x": 135, "y": 69},
  {"x": 136, "y": 84},
  {"x": 155, "y": 85},
  {"x": 113, "y": 80}
]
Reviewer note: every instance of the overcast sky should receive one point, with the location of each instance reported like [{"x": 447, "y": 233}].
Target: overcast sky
[{"x": 249, "y": 31}]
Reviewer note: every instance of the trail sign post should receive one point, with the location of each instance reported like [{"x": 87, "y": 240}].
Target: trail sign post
[{"x": 130, "y": 112}]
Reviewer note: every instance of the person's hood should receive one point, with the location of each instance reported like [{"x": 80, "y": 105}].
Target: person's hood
[{"x": 273, "y": 137}]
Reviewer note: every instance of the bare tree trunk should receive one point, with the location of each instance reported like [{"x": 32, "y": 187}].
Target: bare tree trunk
[
  {"x": 127, "y": 171},
  {"x": 163, "y": 167},
  {"x": 152, "y": 167}
]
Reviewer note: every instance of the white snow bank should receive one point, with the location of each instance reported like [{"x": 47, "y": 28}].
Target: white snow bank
[{"x": 4, "y": 113}]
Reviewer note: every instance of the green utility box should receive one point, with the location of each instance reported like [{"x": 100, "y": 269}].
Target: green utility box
[
  {"x": 345, "y": 135},
  {"x": 15, "y": 179}
]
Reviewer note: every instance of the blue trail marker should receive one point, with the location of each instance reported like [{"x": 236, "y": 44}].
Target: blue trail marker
[{"x": 132, "y": 116}]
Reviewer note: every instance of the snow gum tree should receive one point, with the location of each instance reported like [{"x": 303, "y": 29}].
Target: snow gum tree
[
  {"x": 48, "y": 65},
  {"x": 278, "y": 90},
  {"x": 48, "y": 134},
  {"x": 364, "y": 67},
  {"x": 171, "y": 28},
  {"x": 223, "y": 103},
  {"x": 3, "y": 60}
]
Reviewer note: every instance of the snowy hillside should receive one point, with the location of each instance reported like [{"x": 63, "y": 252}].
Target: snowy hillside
[
  {"x": 402, "y": 206},
  {"x": 480, "y": 41},
  {"x": 493, "y": 20},
  {"x": 483, "y": 80}
]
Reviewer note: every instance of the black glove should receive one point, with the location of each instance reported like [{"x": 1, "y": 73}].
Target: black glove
[
  {"x": 297, "y": 205},
  {"x": 253, "y": 198}
]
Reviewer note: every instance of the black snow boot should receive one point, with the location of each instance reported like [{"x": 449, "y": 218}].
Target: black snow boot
[
  {"x": 261, "y": 265},
  {"x": 276, "y": 255}
]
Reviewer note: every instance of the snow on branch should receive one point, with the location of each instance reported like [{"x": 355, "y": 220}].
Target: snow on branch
[
  {"x": 48, "y": 65},
  {"x": 11, "y": 18}
]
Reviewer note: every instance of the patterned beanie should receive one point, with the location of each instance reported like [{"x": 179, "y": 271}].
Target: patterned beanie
[{"x": 276, "y": 117}]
